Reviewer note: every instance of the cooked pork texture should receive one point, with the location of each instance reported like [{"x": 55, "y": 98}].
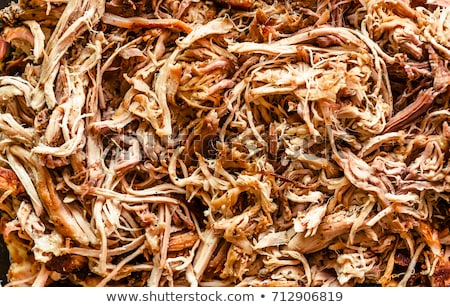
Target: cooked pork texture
[{"x": 225, "y": 143}]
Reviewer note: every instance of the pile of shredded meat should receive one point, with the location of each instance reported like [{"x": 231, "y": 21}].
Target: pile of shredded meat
[{"x": 226, "y": 142}]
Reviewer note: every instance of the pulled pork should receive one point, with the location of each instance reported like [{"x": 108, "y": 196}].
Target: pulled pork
[{"x": 225, "y": 143}]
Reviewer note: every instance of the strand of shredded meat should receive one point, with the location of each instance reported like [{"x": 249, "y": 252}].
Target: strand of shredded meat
[{"x": 225, "y": 143}]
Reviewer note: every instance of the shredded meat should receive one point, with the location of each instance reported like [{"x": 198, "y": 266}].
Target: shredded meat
[{"x": 225, "y": 142}]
